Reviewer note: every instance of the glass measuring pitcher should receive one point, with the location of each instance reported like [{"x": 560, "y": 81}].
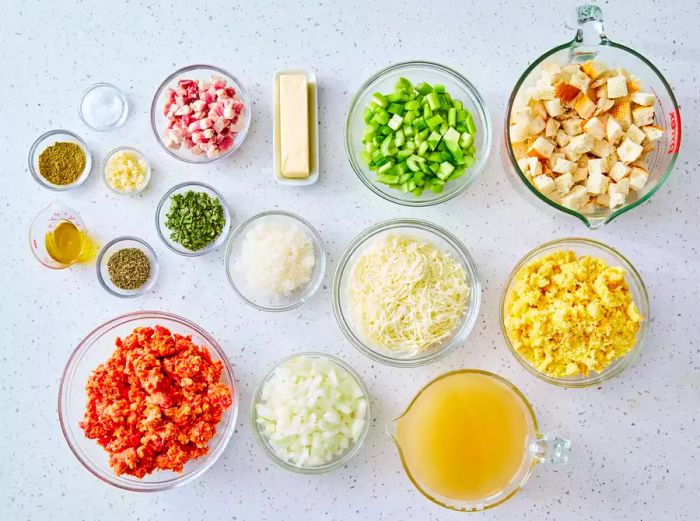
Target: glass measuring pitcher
[
  {"x": 41, "y": 235},
  {"x": 591, "y": 43},
  {"x": 469, "y": 440}
]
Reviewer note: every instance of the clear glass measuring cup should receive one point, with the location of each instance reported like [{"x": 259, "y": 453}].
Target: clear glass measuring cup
[
  {"x": 469, "y": 440},
  {"x": 591, "y": 43},
  {"x": 44, "y": 224}
]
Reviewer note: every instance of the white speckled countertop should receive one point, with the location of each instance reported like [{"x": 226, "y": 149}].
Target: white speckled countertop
[{"x": 636, "y": 438}]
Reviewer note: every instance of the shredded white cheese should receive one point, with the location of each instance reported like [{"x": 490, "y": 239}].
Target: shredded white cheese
[
  {"x": 407, "y": 295},
  {"x": 276, "y": 258}
]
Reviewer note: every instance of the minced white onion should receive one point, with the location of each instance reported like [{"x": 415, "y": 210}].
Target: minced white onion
[{"x": 311, "y": 410}]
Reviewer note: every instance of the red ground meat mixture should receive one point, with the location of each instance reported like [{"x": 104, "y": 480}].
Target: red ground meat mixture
[{"x": 155, "y": 403}]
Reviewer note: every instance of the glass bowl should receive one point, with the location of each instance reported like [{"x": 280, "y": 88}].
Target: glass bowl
[
  {"x": 417, "y": 71},
  {"x": 140, "y": 156},
  {"x": 582, "y": 246},
  {"x": 164, "y": 207},
  {"x": 591, "y": 43},
  {"x": 46, "y": 140},
  {"x": 438, "y": 237},
  {"x": 249, "y": 294},
  {"x": 95, "y": 349},
  {"x": 114, "y": 246},
  {"x": 339, "y": 460},
  {"x": 196, "y": 72},
  {"x": 103, "y": 94}
]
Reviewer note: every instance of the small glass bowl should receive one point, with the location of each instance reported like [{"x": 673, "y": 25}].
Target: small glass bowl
[
  {"x": 239, "y": 282},
  {"x": 46, "y": 140},
  {"x": 103, "y": 89},
  {"x": 95, "y": 349},
  {"x": 141, "y": 156},
  {"x": 582, "y": 246},
  {"x": 423, "y": 230},
  {"x": 417, "y": 71},
  {"x": 196, "y": 72},
  {"x": 164, "y": 207},
  {"x": 119, "y": 244},
  {"x": 339, "y": 460}
]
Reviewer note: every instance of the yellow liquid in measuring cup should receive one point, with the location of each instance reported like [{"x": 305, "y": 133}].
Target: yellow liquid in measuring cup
[
  {"x": 465, "y": 436},
  {"x": 65, "y": 242}
]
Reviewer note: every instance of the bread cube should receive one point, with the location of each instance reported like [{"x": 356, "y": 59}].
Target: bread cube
[
  {"x": 553, "y": 107},
  {"x": 613, "y": 130},
  {"x": 595, "y": 128},
  {"x": 593, "y": 69},
  {"x": 584, "y": 107},
  {"x": 603, "y": 200},
  {"x": 643, "y": 116},
  {"x": 601, "y": 148},
  {"x": 628, "y": 151},
  {"x": 572, "y": 126},
  {"x": 581, "y": 144},
  {"x": 580, "y": 174},
  {"x": 519, "y": 132},
  {"x": 597, "y": 166},
  {"x": 564, "y": 183},
  {"x": 617, "y": 87},
  {"x": 537, "y": 125},
  {"x": 603, "y": 105},
  {"x": 643, "y": 98},
  {"x": 622, "y": 112},
  {"x": 544, "y": 184},
  {"x": 564, "y": 166},
  {"x": 538, "y": 109},
  {"x": 562, "y": 138},
  {"x": 577, "y": 197},
  {"x": 653, "y": 133},
  {"x": 597, "y": 184},
  {"x": 534, "y": 166},
  {"x": 619, "y": 171},
  {"x": 551, "y": 128},
  {"x": 635, "y": 134},
  {"x": 566, "y": 92},
  {"x": 580, "y": 80},
  {"x": 543, "y": 148},
  {"x": 638, "y": 178}
]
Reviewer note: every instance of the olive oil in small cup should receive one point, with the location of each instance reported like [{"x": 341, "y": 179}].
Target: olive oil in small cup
[{"x": 469, "y": 440}]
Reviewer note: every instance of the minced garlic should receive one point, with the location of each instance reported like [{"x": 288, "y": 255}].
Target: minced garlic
[
  {"x": 570, "y": 315},
  {"x": 126, "y": 171}
]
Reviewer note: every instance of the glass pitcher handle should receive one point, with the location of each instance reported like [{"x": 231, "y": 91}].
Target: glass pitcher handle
[{"x": 547, "y": 448}]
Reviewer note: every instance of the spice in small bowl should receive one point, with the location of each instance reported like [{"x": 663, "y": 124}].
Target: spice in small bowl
[
  {"x": 126, "y": 171},
  {"x": 127, "y": 267},
  {"x": 193, "y": 219},
  {"x": 60, "y": 160}
]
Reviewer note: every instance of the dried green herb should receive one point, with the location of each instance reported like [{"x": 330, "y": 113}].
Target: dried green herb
[
  {"x": 195, "y": 219},
  {"x": 129, "y": 268}
]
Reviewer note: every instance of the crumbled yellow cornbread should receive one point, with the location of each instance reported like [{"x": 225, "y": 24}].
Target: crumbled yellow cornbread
[{"x": 569, "y": 316}]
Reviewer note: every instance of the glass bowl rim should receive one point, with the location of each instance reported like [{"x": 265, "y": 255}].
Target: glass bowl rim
[
  {"x": 81, "y": 350},
  {"x": 320, "y": 267},
  {"x": 126, "y": 148},
  {"x": 476, "y": 170},
  {"x": 627, "y": 207},
  {"x": 228, "y": 216},
  {"x": 465, "y": 258},
  {"x": 122, "y": 97},
  {"x": 240, "y": 92},
  {"x": 155, "y": 267},
  {"x": 333, "y": 464},
  {"x": 43, "y": 182},
  {"x": 643, "y": 305}
]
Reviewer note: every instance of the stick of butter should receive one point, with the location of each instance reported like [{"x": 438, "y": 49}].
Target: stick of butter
[{"x": 294, "y": 125}]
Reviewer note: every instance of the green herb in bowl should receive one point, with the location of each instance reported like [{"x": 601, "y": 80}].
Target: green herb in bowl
[
  {"x": 195, "y": 219},
  {"x": 418, "y": 137}
]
